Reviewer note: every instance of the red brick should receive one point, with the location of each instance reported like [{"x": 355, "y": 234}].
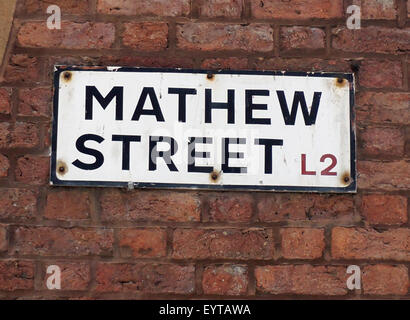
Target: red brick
[
  {"x": 5, "y": 106},
  {"x": 35, "y": 102},
  {"x": 145, "y": 36},
  {"x": 301, "y": 279},
  {"x": 285, "y": 207},
  {"x": 16, "y": 275},
  {"x": 381, "y": 74},
  {"x": 297, "y": 9},
  {"x": 302, "y": 243},
  {"x": 408, "y": 9},
  {"x": 231, "y": 280},
  {"x": 384, "y": 209},
  {"x": 19, "y": 135},
  {"x": 230, "y": 208},
  {"x": 384, "y": 175},
  {"x": 379, "y": 141},
  {"x": 220, "y": 36},
  {"x": 369, "y": 244},
  {"x": 252, "y": 243},
  {"x": 376, "y": 9},
  {"x": 3, "y": 238},
  {"x": 4, "y": 166},
  {"x": 53, "y": 241},
  {"x": 145, "y": 8},
  {"x": 74, "y": 275},
  {"x": 149, "y": 206},
  {"x": 24, "y": 68},
  {"x": 372, "y": 39},
  {"x": 383, "y": 107},
  {"x": 32, "y": 169},
  {"x": 155, "y": 62},
  {"x": 225, "y": 63},
  {"x": 302, "y": 64},
  {"x": 40, "y": 6},
  {"x": 220, "y": 8},
  {"x": 142, "y": 243},
  {"x": 385, "y": 280},
  {"x": 145, "y": 277},
  {"x": 67, "y": 205},
  {"x": 83, "y": 60},
  {"x": 301, "y": 38},
  {"x": 18, "y": 204},
  {"x": 72, "y": 35}
]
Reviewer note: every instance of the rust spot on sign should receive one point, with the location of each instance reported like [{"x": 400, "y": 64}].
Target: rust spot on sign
[
  {"x": 67, "y": 75},
  {"x": 214, "y": 176},
  {"x": 61, "y": 168},
  {"x": 340, "y": 82},
  {"x": 346, "y": 180},
  {"x": 210, "y": 76}
]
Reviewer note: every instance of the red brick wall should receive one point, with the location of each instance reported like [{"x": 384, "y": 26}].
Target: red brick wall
[{"x": 112, "y": 243}]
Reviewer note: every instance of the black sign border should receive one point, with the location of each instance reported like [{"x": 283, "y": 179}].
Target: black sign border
[{"x": 351, "y": 188}]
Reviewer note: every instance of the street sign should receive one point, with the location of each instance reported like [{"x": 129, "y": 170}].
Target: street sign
[{"x": 175, "y": 128}]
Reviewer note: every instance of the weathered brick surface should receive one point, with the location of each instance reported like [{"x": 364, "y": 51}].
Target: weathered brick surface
[
  {"x": 142, "y": 243},
  {"x": 221, "y": 8},
  {"x": 371, "y": 39},
  {"x": 3, "y": 238},
  {"x": 384, "y": 175},
  {"x": 67, "y": 205},
  {"x": 381, "y": 74},
  {"x": 154, "y": 62},
  {"x": 40, "y": 6},
  {"x": 385, "y": 280},
  {"x": 220, "y": 36},
  {"x": 302, "y": 243},
  {"x": 297, "y": 9},
  {"x": 384, "y": 209},
  {"x": 225, "y": 63},
  {"x": 370, "y": 244},
  {"x": 382, "y": 141},
  {"x": 19, "y": 135},
  {"x": 119, "y": 206},
  {"x": 74, "y": 275},
  {"x": 35, "y": 102},
  {"x": 301, "y": 279},
  {"x": 380, "y": 107},
  {"x": 231, "y": 280},
  {"x": 301, "y": 38},
  {"x": 145, "y": 36},
  {"x": 230, "y": 208},
  {"x": 16, "y": 275},
  {"x": 72, "y": 35},
  {"x": 285, "y": 207},
  {"x": 144, "y": 7},
  {"x": 408, "y": 9},
  {"x": 4, "y": 166},
  {"x": 4, "y": 101},
  {"x": 223, "y": 244},
  {"x": 17, "y": 204},
  {"x": 52, "y": 241},
  {"x": 32, "y": 169},
  {"x": 24, "y": 69},
  {"x": 376, "y": 9},
  {"x": 305, "y": 64},
  {"x": 145, "y": 277}
]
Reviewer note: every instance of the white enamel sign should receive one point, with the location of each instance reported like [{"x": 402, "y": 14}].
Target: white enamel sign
[{"x": 172, "y": 128}]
